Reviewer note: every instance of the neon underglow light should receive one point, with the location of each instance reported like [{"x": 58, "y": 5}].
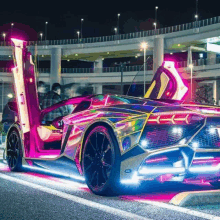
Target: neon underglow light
[
  {"x": 162, "y": 170},
  {"x": 133, "y": 180},
  {"x": 53, "y": 172}
]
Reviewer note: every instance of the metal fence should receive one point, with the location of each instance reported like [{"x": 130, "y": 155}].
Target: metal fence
[
  {"x": 165, "y": 30},
  {"x": 182, "y": 64}
]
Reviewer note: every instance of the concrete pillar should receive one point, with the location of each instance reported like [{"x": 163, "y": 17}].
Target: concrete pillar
[
  {"x": 189, "y": 56},
  {"x": 98, "y": 65},
  {"x": 55, "y": 66},
  {"x": 216, "y": 91},
  {"x": 98, "y": 89},
  {"x": 211, "y": 58},
  {"x": 158, "y": 53}
]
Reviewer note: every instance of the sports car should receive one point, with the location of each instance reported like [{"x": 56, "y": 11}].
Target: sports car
[{"x": 114, "y": 140}]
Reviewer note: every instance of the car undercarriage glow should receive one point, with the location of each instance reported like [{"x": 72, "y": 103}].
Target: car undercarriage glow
[{"x": 53, "y": 172}]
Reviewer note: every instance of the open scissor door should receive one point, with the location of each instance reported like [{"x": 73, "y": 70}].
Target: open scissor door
[
  {"x": 167, "y": 84},
  {"x": 26, "y": 97}
]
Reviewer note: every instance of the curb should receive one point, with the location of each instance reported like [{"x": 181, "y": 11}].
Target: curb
[{"x": 196, "y": 198}]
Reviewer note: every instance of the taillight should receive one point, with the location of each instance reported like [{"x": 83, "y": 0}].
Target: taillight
[{"x": 175, "y": 118}]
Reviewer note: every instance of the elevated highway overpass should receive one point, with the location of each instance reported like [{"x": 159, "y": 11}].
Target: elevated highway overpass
[
  {"x": 202, "y": 72},
  {"x": 184, "y": 37}
]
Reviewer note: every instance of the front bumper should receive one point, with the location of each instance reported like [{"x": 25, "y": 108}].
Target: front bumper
[{"x": 172, "y": 164}]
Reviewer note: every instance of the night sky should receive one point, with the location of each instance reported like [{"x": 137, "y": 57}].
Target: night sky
[{"x": 100, "y": 17}]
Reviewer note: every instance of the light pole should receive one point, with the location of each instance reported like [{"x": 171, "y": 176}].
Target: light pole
[
  {"x": 115, "y": 29},
  {"x": 46, "y": 23},
  {"x": 118, "y": 27},
  {"x": 191, "y": 67},
  {"x": 4, "y": 35},
  {"x": 155, "y": 23},
  {"x": 12, "y": 24},
  {"x": 196, "y": 15},
  {"x": 144, "y": 46},
  {"x": 41, "y": 35},
  {"x": 78, "y": 32},
  {"x": 81, "y": 27},
  {"x": 122, "y": 69},
  {"x": 118, "y": 24}
]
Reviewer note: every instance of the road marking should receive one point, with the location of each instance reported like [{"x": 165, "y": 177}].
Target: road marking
[
  {"x": 181, "y": 209},
  {"x": 105, "y": 208}
]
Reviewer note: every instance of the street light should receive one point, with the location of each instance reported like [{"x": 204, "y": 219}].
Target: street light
[
  {"x": 115, "y": 29},
  {"x": 155, "y": 23},
  {"x": 78, "y": 32},
  {"x": 191, "y": 67},
  {"x": 10, "y": 95},
  {"x": 118, "y": 23},
  {"x": 81, "y": 27},
  {"x": 144, "y": 46},
  {"x": 196, "y": 15},
  {"x": 4, "y": 35},
  {"x": 46, "y": 30},
  {"x": 41, "y": 35},
  {"x": 12, "y": 24}
]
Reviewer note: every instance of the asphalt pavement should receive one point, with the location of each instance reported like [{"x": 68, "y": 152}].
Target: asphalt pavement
[{"x": 34, "y": 195}]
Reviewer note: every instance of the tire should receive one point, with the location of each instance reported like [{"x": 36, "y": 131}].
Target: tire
[
  {"x": 101, "y": 161},
  {"x": 14, "y": 151},
  {"x": 216, "y": 184}
]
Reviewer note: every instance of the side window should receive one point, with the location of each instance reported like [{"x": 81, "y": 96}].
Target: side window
[{"x": 56, "y": 113}]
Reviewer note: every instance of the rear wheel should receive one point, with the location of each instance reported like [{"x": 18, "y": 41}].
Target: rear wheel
[
  {"x": 13, "y": 151},
  {"x": 101, "y": 162}
]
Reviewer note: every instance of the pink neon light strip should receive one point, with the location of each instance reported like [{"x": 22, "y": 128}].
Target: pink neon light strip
[
  {"x": 201, "y": 161},
  {"x": 156, "y": 160}
]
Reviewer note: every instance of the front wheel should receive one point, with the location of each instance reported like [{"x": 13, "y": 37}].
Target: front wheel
[
  {"x": 101, "y": 162},
  {"x": 13, "y": 151}
]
